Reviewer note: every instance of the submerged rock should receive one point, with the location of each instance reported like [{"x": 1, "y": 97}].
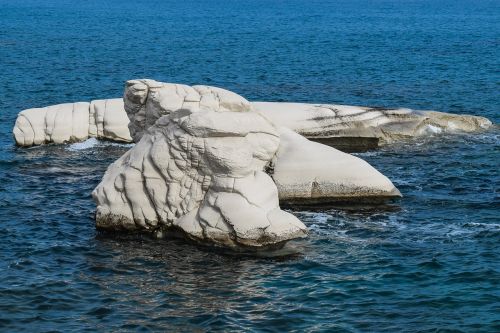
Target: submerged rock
[
  {"x": 201, "y": 172},
  {"x": 72, "y": 122}
]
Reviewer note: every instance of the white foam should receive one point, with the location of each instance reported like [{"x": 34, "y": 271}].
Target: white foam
[
  {"x": 89, "y": 143},
  {"x": 117, "y": 144},
  {"x": 489, "y": 226},
  {"x": 433, "y": 129},
  {"x": 93, "y": 143}
]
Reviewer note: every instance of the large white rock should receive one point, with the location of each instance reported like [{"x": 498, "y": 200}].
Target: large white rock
[
  {"x": 325, "y": 122},
  {"x": 199, "y": 171},
  {"x": 304, "y": 171},
  {"x": 307, "y": 172},
  {"x": 72, "y": 122}
]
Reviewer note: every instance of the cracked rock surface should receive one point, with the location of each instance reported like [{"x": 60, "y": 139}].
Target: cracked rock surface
[
  {"x": 72, "y": 122},
  {"x": 200, "y": 171},
  {"x": 147, "y": 100}
]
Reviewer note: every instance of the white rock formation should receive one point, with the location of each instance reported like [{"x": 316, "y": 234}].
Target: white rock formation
[
  {"x": 307, "y": 172},
  {"x": 199, "y": 170},
  {"x": 205, "y": 156},
  {"x": 72, "y": 122},
  {"x": 324, "y": 121}
]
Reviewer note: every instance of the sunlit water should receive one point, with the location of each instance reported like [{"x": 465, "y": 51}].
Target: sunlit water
[{"x": 429, "y": 262}]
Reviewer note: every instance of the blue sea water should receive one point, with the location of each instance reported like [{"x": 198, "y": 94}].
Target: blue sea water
[{"x": 429, "y": 263}]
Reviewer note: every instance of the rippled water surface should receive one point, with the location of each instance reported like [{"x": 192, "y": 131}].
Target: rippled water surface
[{"x": 428, "y": 263}]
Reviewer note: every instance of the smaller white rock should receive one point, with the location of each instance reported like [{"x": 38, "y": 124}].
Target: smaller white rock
[
  {"x": 72, "y": 122},
  {"x": 309, "y": 172}
]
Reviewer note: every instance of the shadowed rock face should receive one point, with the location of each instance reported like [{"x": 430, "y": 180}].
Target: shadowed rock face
[
  {"x": 72, "y": 122},
  {"x": 200, "y": 172}
]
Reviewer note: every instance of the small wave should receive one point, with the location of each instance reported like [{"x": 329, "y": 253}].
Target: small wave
[{"x": 366, "y": 154}]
